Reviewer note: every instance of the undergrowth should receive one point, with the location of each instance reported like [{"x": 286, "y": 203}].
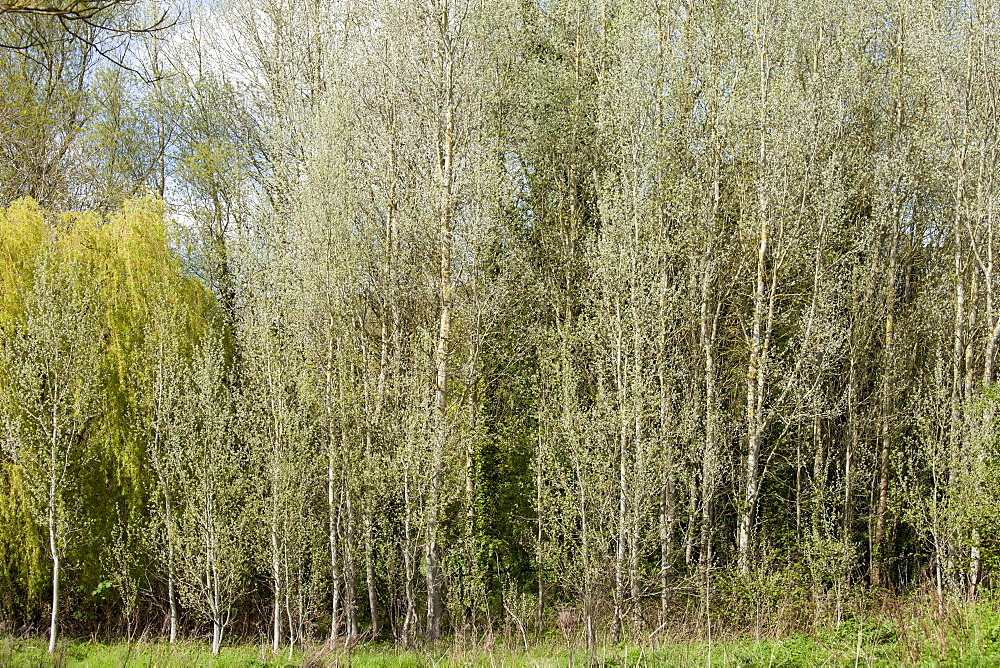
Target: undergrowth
[{"x": 921, "y": 631}]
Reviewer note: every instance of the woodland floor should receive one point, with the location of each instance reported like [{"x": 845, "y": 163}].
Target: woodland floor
[{"x": 971, "y": 638}]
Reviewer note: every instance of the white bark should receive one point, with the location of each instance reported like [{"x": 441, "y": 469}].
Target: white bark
[{"x": 56, "y": 563}]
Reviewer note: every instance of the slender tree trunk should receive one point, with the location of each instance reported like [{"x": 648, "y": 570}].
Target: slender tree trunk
[
  {"x": 878, "y": 541},
  {"x": 667, "y": 520},
  {"x": 708, "y": 323},
  {"x": 276, "y": 585},
  {"x": 346, "y": 528},
  {"x": 212, "y": 575},
  {"x": 372, "y": 417},
  {"x": 639, "y": 500},
  {"x": 445, "y": 166},
  {"x": 885, "y": 449},
  {"x": 818, "y": 478},
  {"x": 333, "y": 511},
  {"x": 852, "y": 445},
  {"x": 689, "y": 530},
  {"x": 472, "y": 572},
  {"x": 588, "y": 594},
  {"x": 539, "y": 554},
  {"x": 289, "y": 615},
  {"x": 993, "y": 337},
  {"x": 350, "y": 573},
  {"x": 333, "y": 500},
  {"x": 56, "y": 563},
  {"x": 975, "y": 552},
  {"x": 667, "y": 481},
  {"x": 216, "y": 637},
  {"x": 619, "y": 596},
  {"x": 370, "y": 579},
  {"x": 883, "y": 469},
  {"x": 171, "y": 594},
  {"x": 409, "y": 565},
  {"x": 709, "y": 463},
  {"x": 755, "y": 428}
]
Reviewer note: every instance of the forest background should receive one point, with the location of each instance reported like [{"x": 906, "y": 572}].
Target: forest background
[{"x": 418, "y": 319}]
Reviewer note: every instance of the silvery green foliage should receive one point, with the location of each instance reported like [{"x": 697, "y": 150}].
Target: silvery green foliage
[
  {"x": 217, "y": 508},
  {"x": 50, "y": 356},
  {"x": 543, "y": 314}
]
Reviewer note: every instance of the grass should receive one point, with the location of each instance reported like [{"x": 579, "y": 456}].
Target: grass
[{"x": 964, "y": 637}]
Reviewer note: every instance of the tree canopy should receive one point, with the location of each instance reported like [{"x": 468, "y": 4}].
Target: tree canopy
[{"x": 411, "y": 320}]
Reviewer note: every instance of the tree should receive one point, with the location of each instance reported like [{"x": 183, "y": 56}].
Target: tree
[
  {"x": 216, "y": 507},
  {"x": 49, "y": 357},
  {"x": 106, "y": 26}
]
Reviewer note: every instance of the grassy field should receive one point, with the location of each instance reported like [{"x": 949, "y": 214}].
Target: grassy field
[
  {"x": 792, "y": 651},
  {"x": 968, "y": 639}
]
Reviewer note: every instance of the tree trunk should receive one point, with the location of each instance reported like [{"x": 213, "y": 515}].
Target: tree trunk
[
  {"x": 667, "y": 482},
  {"x": 588, "y": 598},
  {"x": 289, "y": 615},
  {"x": 333, "y": 510},
  {"x": 539, "y": 555},
  {"x": 852, "y": 446},
  {"x": 332, "y": 499},
  {"x": 878, "y": 547},
  {"x": 409, "y": 565},
  {"x": 276, "y": 584},
  {"x": 370, "y": 580},
  {"x": 619, "y": 596},
  {"x": 171, "y": 594},
  {"x": 216, "y": 636},
  {"x": 350, "y": 573},
  {"x": 993, "y": 337},
  {"x": 756, "y": 371},
  {"x": 709, "y": 463},
  {"x": 444, "y": 166},
  {"x": 54, "y": 618},
  {"x": 755, "y": 427},
  {"x": 877, "y": 575}
]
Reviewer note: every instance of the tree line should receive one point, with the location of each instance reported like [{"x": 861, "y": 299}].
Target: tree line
[{"x": 453, "y": 318}]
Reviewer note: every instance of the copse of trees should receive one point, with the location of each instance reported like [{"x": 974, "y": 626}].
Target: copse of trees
[
  {"x": 92, "y": 308},
  {"x": 456, "y": 319}
]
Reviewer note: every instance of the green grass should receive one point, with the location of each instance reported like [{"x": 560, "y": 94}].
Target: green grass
[
  {"x": 969, "y": 638},
  {"x": 30, "y": 653}
]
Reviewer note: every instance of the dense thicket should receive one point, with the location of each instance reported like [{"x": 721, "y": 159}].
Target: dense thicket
[{"x": 468, "y": 318}]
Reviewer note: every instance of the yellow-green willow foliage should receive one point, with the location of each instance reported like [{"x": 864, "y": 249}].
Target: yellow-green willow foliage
[
  {"x": 92, "y": 300},
  {"x": 22, "y": 228}
]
